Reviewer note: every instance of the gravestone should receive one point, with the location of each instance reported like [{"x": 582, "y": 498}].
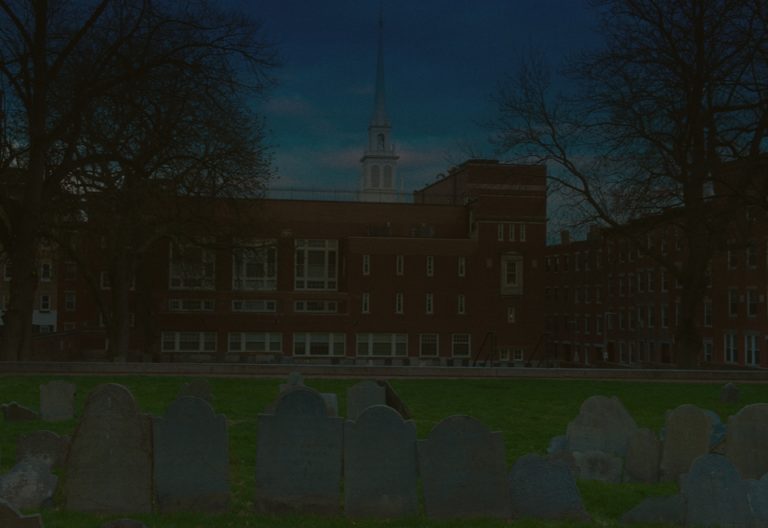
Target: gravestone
[
  {"x": 757, "y": 493},
  {"x": 362, "y": 395},
  {"x": 13, "y": 412},
  {"x": 109, "y": 469},
  {"x": 11, "y": 518},
  {"x": 746, "y": 446},
  {"x": 603, "y": 424},
  {"x": 43, "y": 445},
  {"x": 393, "y": 399},
  {"x": 57, "y": 401},
  {"x": 715, "y": 494},
  {"x": 298, "y": 456},
  {"x": 687, "y": 433},
  {"x": 597, "y": 465},
  {"x": 657, "y": 510},
  {"x": 557, "y": 444},
  {"x": 191, "y": 465},
  {"x": 380, "y": 465},
  {"x": 331, "y": 403},
  {"x": 544, "y": 489},
  {"x": 463, "y": 470},
  {"x": 29, "y": 485},
  {"x": 199, "y": 388},
  {"x": 717, "y": 436},
  {"x": 643, "y": 456},
  {"x": 295, "y": 379},
  {"x": 730, "y": 393}
]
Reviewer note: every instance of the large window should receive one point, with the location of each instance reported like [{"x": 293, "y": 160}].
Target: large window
[
  {"x": 191, "y": 267},
  {"x": 254, "y": 266},
  {"x": 428, "y": 345},
  {"x": 319, "y": 344},
  {"x": 752, "y": 302},
  {"x": 752, "y": 349},
  {"x": 512, "y": 274},
  {"x": 733, "y": 302},
  {"x": 731, "y": 348},
  {"x": 191, "y": 305},
  {"x": 189, "y": 341},
  {"x": 255, "y": 342},
  {"x": 315, "y": 306},
  {"x": 460, "y": 345},
  {"x": 254, "y": 305},
  {"x": 316, "y": 262},
  {"x": 382, "y": 344}
]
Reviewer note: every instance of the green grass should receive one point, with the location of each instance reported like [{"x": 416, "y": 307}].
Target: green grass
[{"x": 528, "y": 412}]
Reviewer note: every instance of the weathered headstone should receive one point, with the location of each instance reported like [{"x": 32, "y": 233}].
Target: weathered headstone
[
  {"x": 687, "y": 433},
  {"x": 657, "y": 510},
  {"x": 643, "y": 456},
  {"x": 603, "y": 424},
  {"x": 295, "y": 379},
  {"x": 544, "y": 489},
  {"x": 730, "y": 393},
  {"x": 380, "y": 465},
  {"x": 463, "y": 469},
  {"x": 199, "y": 388},
  {"x": 109, "y": 469},
  {"x": 298, "y": 456},
  {"x": 191, "y": 465},
  {"x": 715, "y": 494},
  {"x": 43, "y": 445},
  {"x": 598, "y": 465},
  {"x": 362, "y": 395},
  {"x": 28, "y": 485},
  {"x": 57, "y": 401},
  {"x": 11, "y": 518},
  {"x": 13, "y": 412},
  {"x": 746, "y": 444}
]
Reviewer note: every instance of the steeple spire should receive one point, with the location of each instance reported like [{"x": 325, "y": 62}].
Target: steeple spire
[{"x": 380, "y": 107}]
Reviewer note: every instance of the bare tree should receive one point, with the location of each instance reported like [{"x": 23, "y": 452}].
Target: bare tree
[
  {"x": 61, "y": 64},
  {"x": 679, "y": 89}
]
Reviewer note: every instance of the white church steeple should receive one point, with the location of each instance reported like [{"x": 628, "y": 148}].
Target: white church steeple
[{"x": 378, "y": 182}]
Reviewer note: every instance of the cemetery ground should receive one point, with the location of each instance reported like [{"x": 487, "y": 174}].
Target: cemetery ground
[{"x": 527, "y": 412}]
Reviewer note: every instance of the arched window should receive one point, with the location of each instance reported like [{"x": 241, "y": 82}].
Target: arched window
[
  {"x": 380, "y": 142},
  {"x": 374, "y": 175},
  {"x": 387, "y": 177}
]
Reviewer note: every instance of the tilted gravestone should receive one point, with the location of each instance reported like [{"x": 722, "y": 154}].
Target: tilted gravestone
[
  {"x": 544, "y": 489},
  {"x": 109, "y": 469},
  {"x": 11, "y": 518},
  {"x": 603, "y": 424},
  {"x": 199, "y": 388},
  {"x": 643, "y": 455},
  {"x": 380, "y": 465},
  {"x": 43, "y": 445},
  {"x": 29, "y": 485},
  {"x": 687, "y": 434},
  {"x": 657, "y": 510},
  {"x": 746, "y": 445},
  {"x": 715, "y": 494},
  {"x": 362, "y": 395},
  {"x": 463, "y": 470},
  {"x": 57, "y": 401},
  {"x": 13, "y": 412},
  {"x": 298, "y": 456},
  {"x": 191, "y": 465}
]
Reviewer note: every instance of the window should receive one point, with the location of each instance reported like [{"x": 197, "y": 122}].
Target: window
[
  {"x": 664, "y": 281},
  {"x": 664, "y": 316},
  {"x": 462, "y": 266},
  {"x": 191, "y": 267},
  {"x": 314, "y": 306},
  {"x": 254, "y": 267},
  {"x": 461, "y": 304},
  {"x": 460, "y": 345},
  {"x": 46, "y": 271},
  {"x": 316, "y": 264},
  {"x": 428, "y": 345},
  {"x": 190, "y": 305},
  {"x": 254, "y": 305},
  {"x": 751, "y": 255},
  {"x": 500, "y": 232},
  {"x": 7, "y": 274},
  {"x": 399, "y": 303},
  {"x": 522, "y": 232},
  {"x": 511, "y": 314},
  {"x": 512, "y": 274},
  {"x": 707, "y": 313},
  {"x": 70, "y": 301},
  {"x": 70, "y": 270},
  {"x": 598, "y": 325},
  {"x": 429, "y": 307},
  {"x": 255, "y": 342},
  {"x": 518, "y": 354},
  {"x": 104, "y": 280},
  {"x": 733, "y": 302},
  {"x": 365, "y": 303},
  {"x": 366, "y": 264},
  {"x": 318, "y": 344},
  {"x": 651, "y": 280},
  {"x": 45, "y": 303},
  {"x": 731, "y": 348},
  {"x": 189, "y": 341},
  {"x": 651, "y": 316},
  {"x": 587, "y": 328},
  {"x": 399, "y": 265},
  {"x": 708, "y": 349},
  {"x": 430, "y": 266},
  {"x": 752, "y": 349},
  {"x": 511, "y": 232},
  {"x": 382, "y": 345},
  {"x": 752, "y": 302}
]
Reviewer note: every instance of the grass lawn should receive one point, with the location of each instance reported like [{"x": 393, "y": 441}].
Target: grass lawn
[{"x": 527, "y": 412}]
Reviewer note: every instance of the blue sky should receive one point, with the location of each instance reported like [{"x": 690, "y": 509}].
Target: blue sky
[{"x": 443, "y": 61}]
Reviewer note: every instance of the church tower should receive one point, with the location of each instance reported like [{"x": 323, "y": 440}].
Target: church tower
[{"x": 378, "y": 182}]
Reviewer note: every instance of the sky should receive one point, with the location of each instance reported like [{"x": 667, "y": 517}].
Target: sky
[{"x": 443, "y": 62}]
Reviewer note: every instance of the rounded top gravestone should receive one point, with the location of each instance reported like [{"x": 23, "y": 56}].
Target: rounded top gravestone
[{"x": 603, "y": 424}]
